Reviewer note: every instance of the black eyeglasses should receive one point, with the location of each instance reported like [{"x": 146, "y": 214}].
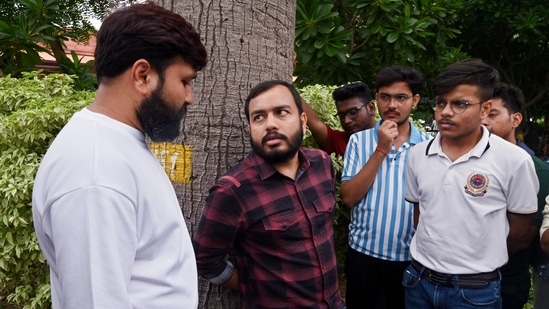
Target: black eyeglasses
[
  {"x": 457, "y": 106},
  {"x": 351, "y": 113},
  {"x": 385, "y": 99}
]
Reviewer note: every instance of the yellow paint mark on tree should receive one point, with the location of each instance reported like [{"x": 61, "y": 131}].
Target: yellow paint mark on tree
[{"x": 176, "y": 160}]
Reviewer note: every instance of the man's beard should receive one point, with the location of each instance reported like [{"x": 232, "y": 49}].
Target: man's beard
[
  {"x": 160, "y": 121},
  {"x": 278, "y": 155}
]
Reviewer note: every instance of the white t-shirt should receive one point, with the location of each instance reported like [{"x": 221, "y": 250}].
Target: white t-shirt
[
  {"x": 463, "y": 224},
  {"x": 109, "y": 223}
]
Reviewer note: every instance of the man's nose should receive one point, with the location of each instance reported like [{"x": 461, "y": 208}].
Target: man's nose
[
  {"x": 271, "y": 122},
  {"x": 447, "y": 110},
  {"x": 189, "y": 94},
  {"x": 392, "y": 103}
]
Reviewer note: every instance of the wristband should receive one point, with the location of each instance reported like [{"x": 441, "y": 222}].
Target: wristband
[{"x": 381, "y": 151}]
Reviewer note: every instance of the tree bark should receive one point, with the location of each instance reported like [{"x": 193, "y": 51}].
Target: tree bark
[{"x": 247, "y": 42}]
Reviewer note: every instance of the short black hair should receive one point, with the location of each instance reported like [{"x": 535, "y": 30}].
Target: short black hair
[
  {"x": 146, "y": 31},
  {"x": 467, "y": 72},
  {"x": 266, "y": 85},
  {"x": 355, "y": 90},
  {"x": 397, "y": 73},
  {"x": 511, "y": 97}
]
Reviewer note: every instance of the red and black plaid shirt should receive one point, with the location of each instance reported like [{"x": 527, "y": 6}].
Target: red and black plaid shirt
[{"x": 280, "y": 229}]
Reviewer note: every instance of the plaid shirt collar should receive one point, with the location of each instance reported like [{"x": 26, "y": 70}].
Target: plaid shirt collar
[{"x": 266, "y": 169}]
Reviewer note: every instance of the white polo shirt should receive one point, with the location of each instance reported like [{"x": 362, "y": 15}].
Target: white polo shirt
[{"x": 463, "y": 224}]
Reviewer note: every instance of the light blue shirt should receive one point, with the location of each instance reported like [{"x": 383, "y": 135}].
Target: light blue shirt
[{"x": 382, "y": 222}]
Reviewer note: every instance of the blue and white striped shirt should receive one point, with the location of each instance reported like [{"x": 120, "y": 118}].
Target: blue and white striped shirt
[{"x": 382, "y": 222}]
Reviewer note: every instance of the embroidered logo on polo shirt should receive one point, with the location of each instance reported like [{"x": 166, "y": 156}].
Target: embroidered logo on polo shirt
[{"x": 477, "y": 184}]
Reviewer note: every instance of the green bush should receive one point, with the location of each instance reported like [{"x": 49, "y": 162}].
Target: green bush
[{"x": 32, "y": 111}]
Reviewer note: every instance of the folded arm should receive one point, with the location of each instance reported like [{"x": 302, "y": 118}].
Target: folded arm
[
  {"x": 356, "y": 188},
  {"x": 521, "y": 232},
  {"x": 215, "y": 237}
]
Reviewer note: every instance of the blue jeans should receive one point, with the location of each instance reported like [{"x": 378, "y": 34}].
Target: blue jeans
[
  {"x": 419, "y": 293},
  {"x": 541, "y": 287}
]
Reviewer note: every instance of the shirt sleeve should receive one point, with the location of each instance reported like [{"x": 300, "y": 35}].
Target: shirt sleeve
[
  {"x": 545, "y": 223},
  {"x": 523, "y": 189},
  {"x": 221, "y": 221},
  {"x": 95, "y": 246},
  {"x": 351, "y": 160},
  {"x": 411, "y": 194},
  {"x": 336, "y": 141}
]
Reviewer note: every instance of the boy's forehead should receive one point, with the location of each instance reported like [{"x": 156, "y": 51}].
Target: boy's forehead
[
  {"x": 349, "y": 103},
  {"x": 461, "y": 90},
  {"x": 498, "y": 103},
  {"x": 396, "y": 86}
]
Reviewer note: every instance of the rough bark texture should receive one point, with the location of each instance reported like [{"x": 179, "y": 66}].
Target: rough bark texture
[{"x": 247, "y": 42}]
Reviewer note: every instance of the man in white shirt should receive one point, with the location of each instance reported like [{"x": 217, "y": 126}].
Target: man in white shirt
[
  {"x": 105, "y": 213},
  {"x": 472, "y": 192}
]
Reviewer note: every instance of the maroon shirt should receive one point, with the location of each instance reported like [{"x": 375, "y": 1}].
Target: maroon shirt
[
  {"x": 280, "y": 230},
  {"x": 336, "y": 141}
]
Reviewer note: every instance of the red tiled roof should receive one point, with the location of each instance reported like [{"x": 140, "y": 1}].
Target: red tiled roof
[{"x": 83, "y": 50}]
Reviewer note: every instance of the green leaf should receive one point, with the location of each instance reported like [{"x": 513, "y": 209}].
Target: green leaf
[
  {"x": 392, "y": 37},
  {"x": 319, "y": 44},
  {"x": 9, "y": 238}
]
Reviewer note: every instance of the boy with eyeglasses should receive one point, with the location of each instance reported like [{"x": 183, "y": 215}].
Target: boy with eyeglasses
[
  {"x": 355, "y": 111},
  {"x": 473, "y": 196},
  {"x": 373, "y": 187},
  {"x": 504, "y": 117}
]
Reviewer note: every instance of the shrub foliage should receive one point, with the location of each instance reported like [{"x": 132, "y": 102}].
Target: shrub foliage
[{"x": 32, "y": 111}]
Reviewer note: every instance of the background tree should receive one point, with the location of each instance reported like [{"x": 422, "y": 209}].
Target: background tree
[
  {"x": 247, "y": 42},
  {"x": 513, "y": 36},
  {"x": 28, "y": 27},
  {"x": 25, "y": 24},
  {"x": 340, "y": 41}
]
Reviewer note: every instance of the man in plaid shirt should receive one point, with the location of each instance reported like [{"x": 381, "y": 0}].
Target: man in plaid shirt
[{"x": 275, "y": 210}]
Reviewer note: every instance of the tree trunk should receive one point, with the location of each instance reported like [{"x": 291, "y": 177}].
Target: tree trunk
[{"x": 247, "y": 41}]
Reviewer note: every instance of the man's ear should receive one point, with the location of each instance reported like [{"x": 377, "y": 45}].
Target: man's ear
[
  {"x": 144, "y": 78},
  {"x": 516, "y": 119},
  {"x": 303, "y": 119},
  {"x": 415, "y": 100},
  {"x": 371, "y": 107},
  {"x": 485, "y": 109}
]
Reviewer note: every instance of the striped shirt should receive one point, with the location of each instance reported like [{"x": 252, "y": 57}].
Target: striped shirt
[
  {"x": 281, "y": 232},
  {"x": 382, "y": 222}
]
